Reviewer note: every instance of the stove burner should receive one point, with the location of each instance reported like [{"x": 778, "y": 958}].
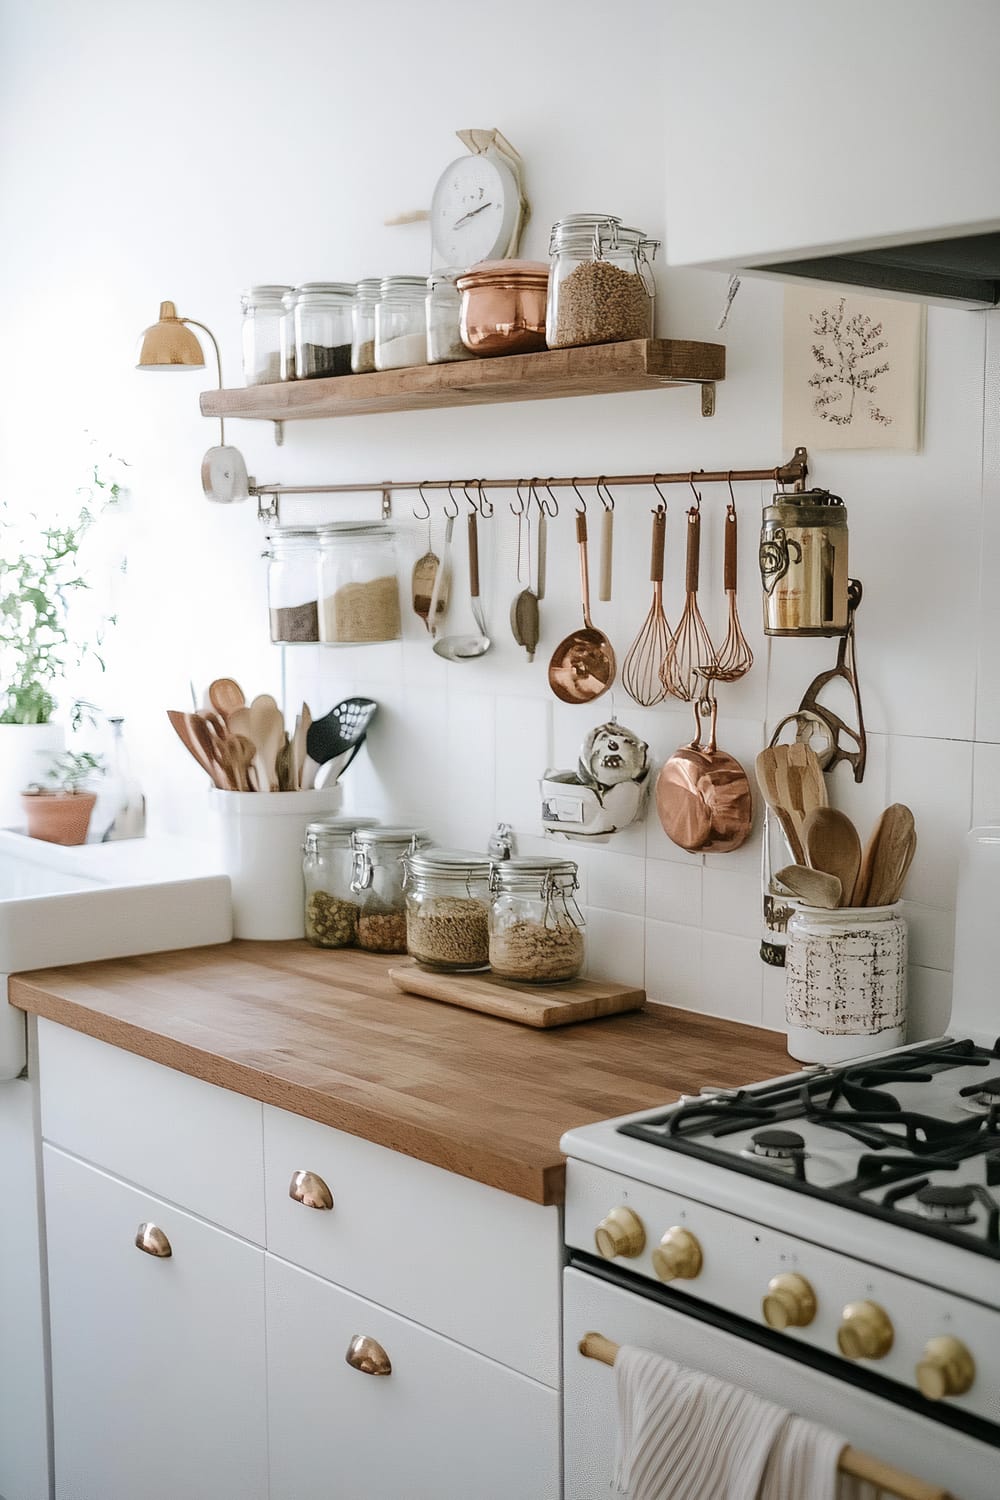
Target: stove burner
[
  {"x": 947, "y": 1205},
  {"x": 777, "y": 1145},
  {"x": 979, "y": 1098}
]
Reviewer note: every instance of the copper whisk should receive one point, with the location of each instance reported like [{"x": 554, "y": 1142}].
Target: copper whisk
[
  {"x": 734, "y": 658},
  {"x": 691, "y": 649},
  {"x": 641, "y": 667}
]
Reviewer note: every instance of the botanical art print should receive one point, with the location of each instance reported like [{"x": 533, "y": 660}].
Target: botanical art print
[{"x": 853, "y": 370}]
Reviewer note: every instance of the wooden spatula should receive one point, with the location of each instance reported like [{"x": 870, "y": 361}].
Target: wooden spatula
[
  {"x": 814, "y": 887},
  {"x": 766, "y": 767},
  {"x": 801, "y": 786},
  {"x": 888, "y": 858},
  {"x": 832, "y": 844}
]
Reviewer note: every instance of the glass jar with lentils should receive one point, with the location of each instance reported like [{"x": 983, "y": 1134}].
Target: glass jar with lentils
[
  {"x": 377, "y": 884},
  {"x": 536, "y": 926},
  {"x": 447, "y": 909},
  {"x": 601, "y": 286},
  {"x": 327, "y": 866}
]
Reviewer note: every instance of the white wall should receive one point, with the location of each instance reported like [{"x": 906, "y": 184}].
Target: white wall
[{"x": 186, "y": 150}]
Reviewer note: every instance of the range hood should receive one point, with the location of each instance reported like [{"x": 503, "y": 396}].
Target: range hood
[{"x": 964, "y": 271}]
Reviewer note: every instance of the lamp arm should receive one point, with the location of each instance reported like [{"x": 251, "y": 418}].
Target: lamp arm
[{"x": 218, "y": 365}]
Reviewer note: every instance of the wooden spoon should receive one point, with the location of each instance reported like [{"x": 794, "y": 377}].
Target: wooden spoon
[
  {"x": 887, "y": 858},
  {"x": 832, "y": 845},
  {"x": 182, "y": 727},
  {"x": 814, "y": 887},
  {"x": 766, "y": 767},
  {"x": 801, "y": 786},
  {"x": 239, "y": 755},
  {"x": 302, "y": 722},
  {"x": 225, "y": 696},
  {"x": 267, "y": 730}
]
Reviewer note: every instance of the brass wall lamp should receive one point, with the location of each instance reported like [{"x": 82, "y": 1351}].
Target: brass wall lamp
[{"x": 169, "y": 344}]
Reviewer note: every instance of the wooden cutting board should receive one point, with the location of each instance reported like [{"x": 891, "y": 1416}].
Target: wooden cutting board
[{"x": 530, "y": 1005}]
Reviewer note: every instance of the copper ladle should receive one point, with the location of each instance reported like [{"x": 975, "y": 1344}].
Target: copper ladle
[{"x": 582, "y": 665}]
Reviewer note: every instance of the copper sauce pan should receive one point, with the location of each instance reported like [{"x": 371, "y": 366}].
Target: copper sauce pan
[{"x": 703, "y": 795}]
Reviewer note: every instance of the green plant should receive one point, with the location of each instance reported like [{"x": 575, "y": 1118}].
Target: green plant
[
  {"x": 36, "y": 590},
  {"x": 68, "y": 771}
]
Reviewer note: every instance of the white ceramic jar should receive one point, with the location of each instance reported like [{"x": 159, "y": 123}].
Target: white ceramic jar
[{"x": 845, "y": 982}]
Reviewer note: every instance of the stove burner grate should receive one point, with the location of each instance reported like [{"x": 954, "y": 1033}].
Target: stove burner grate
[
  {"x": 949, "y": 1205},
  {"x": 784, "y": 1149},
  {"x": 981, "y": 1098}
]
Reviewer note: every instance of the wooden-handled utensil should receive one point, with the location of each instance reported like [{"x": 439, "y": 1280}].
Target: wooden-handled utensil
[
  {"x": 887, "y": 858},
  {"x": 814, "y": 887},
  {"x": 182, "y": 725},
  {"x": 832, "y": 845},
  {"x": 791, "y": 780}
]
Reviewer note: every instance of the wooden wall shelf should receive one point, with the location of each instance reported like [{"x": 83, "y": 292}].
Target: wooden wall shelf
[{"x": 598, "y": 370}]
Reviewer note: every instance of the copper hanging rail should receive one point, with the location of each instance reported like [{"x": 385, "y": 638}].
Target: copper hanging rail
[{"x": 793, "y": 472}]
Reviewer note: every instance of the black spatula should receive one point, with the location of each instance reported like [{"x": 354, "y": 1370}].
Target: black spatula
[{"x": 340, "y": 733}]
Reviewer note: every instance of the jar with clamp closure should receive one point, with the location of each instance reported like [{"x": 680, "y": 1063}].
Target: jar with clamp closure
[
  {"x": 327, "y": 868},
  {"x": 377, "y": 882},
  {"x": 601, "y": 287},
  {"x": 536, "y": 926},
  {"x": 447, "y": 909}
]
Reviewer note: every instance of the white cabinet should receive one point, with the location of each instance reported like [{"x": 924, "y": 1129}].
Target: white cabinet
[
  {"x": 797, "y": 129},
  {"x": 444, "y": 1424},
  {"x": 158, "y": 1380}
]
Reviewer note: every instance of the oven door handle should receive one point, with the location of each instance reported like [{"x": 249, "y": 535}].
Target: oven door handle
[{"x": 852, "y": 1461}]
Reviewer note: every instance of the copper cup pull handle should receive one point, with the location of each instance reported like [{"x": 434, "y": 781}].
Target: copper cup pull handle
[
  {"x": 310, "y": 1190},
  {"x": 152, "y": 1241},
  {"x": 368, "y": 1356}
]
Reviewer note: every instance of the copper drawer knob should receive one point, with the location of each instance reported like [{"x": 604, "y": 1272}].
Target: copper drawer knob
[
  {"x": 310, "y": 1190},
  {"x": 620, "y": 1233},
  {"x": 678, "y": 1256},
  {"x": 790, "y": 1301},
  {"x": 368, "y": 1356},
  {"x": 152, "y": 1241},
  {"x": 946, "y": 1369}
]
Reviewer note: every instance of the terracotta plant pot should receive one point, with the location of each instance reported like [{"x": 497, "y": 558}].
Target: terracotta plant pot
[{"x": 58, "y": 817}]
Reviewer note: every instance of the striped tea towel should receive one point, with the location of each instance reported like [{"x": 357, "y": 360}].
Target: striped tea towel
[
  {"x": 687, "y": 1436},
  {"x": 803, "y": 1465}
]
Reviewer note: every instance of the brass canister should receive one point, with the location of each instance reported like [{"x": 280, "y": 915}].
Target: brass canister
[{"x": 803, "y": 564}]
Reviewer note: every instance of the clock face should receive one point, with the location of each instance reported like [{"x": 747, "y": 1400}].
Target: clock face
[{"x": 473, "y": 211}]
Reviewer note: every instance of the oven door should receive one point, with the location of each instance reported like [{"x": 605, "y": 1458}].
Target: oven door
[{"x": 594, "y": 1303}]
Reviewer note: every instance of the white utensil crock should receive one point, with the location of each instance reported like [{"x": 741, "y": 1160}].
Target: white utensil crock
[
  {"x": 845, "y": 982},
  {"x": 262, "y": 838}
]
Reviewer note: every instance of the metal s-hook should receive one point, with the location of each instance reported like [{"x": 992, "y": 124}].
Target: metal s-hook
[
  {"x": 583, "y": 504},
  {"x": 604, "y": 494},
  {"x": 693, "y": 490},
  {"x": 485, "y": 506},
  {"x": 552, "y": 501},
  {"x": 427, "y": 509},
  {"x": 656, "y": 487},
  {"x": 732, "y": 497},
  {"x": 522, "y": 503},
  {"x": 451, "y": 514}
]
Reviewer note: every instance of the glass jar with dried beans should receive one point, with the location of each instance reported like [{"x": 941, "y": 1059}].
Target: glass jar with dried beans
[
  {"x": 327, "y": 867},
  {"x": 601, "y": 287},
  {"x": 293, "y": 584},
  {"x": 323, "y": 330},
  {"x": 447, "y": 909},
  {"x": 536, "y": 926},
  {"x": 377, "y": 883},
  {"x": 263, "y": 314},
  {"x": 359, "y": 589}
]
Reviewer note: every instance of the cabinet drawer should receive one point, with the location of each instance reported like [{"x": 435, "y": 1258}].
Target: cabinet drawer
[
  {"x": 477, "y": 1264},
  {"x": 158, "y": 1378},
  {"x": 445, "y": 1424},
  {"x": 190, "y": 1142}
]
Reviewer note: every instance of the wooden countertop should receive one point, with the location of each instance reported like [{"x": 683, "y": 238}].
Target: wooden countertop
[{"x": 327, "y": 1035}]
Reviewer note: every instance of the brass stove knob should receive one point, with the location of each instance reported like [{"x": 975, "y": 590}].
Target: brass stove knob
[
  {"x": 621, "y": 1233},
  {"x": 678, "y": 1256},
  {"x": 865, "y": 1331},
  {"x": 947, "y": 1369},
  {"x": 790, "y": 1301}
]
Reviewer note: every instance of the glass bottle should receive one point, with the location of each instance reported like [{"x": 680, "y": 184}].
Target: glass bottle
[
  {"x": 327, "y": 867},
  {"x": 377, "y": 881},
  {"x": 400, "y": 323},
  {"x": 129, "y": 805},
  {"x": 322, "y": 317},
  {"x": 366, "y": 296},
  {"x": 601, "y": 286},
  {"x": 443, "y": 313},
  {"x": 536, "y": 926},
  {"x": 263, "y": 314},
  {"x": 447, "y": 909},
  {"x": 293, "y": 584}
]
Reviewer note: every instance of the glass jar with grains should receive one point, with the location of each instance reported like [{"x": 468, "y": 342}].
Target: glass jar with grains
[
  {"x": 400, "y": 330},
  {"x": 327, "y": 867},
  {"x": 447, "y": 908},
  {"x": 443, "y": 309},
  {"x": 293, "y": 584},
  {"x": 366, "y": 295},
  {"x": 536, "y": 927},
  {"x": 601, "y": 286},
  {"x": 377, "y": 882},
  {"x": 323, "y": 329},
  {"x": 263, "y": 313},
  {"x": 359, "y": 590}
]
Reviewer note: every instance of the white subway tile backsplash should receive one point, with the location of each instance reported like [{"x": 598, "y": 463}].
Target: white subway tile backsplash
[
  {"x": 731, "y": 902},
  {"x": 934, "y": 779},
  {"x": 930, "y": 935},
  {"x": 673, "y": 964},
  {"x": 986, "y": 785},
  {"x": 616, "y": 881},
  {"x": 928, "y": 1003},
  {"x": 731, "y": 979},
  {"x": 614, "y": 946},
  {"x": 522, "y": 739},
  {"x": 673, "y": 892}
]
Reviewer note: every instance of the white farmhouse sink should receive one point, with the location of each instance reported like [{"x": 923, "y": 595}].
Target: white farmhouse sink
[{"x": 63, "y": 906}]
